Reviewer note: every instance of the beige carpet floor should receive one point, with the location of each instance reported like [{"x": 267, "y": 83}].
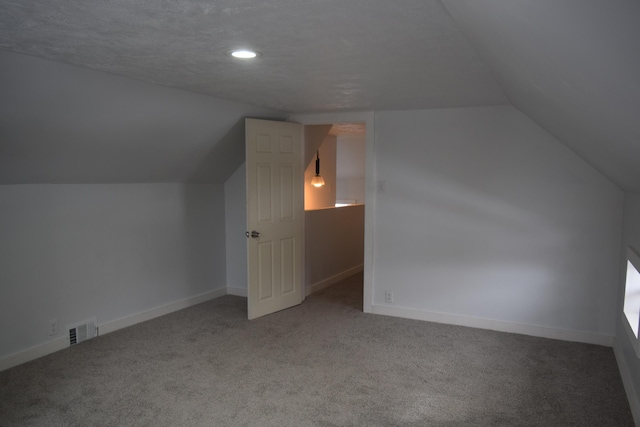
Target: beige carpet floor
[{"x": 323, "y": 363}]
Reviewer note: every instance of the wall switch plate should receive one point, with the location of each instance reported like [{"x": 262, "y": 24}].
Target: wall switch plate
[{"x": 382, "y": 187}]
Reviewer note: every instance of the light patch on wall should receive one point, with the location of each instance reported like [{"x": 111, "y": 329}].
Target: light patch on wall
[
  {"x": 632, "y": 292},
  {"x": 345, "y": 202}
]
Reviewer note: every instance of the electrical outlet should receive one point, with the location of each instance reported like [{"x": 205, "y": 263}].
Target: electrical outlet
[
  {"x": 388, "y": 297},
  {"x": 53, "y": 327}
]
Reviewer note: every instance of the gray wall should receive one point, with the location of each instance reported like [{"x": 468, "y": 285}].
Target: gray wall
[
  {"x": 334, "y": 243},
  {"x": 235, "y": 204},
  {"x": 72, "y": 252},
  {"x": 627, "y": 358},
  {"x": 96, "y": 216},
  {"x": 487, "y": 216}
]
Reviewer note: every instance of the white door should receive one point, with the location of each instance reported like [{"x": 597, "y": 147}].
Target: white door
[{"x": 275, "y": 214}]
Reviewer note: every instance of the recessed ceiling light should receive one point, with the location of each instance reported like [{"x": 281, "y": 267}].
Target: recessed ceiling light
[{"x": 244, "y": 54}]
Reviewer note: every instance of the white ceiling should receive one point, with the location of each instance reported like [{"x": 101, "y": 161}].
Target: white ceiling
[
  {"x": 317, "y": 55},
  {"x": 573, "y": 66}
]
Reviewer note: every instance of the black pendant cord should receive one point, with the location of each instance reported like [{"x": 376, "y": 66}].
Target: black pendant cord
[{"x": 317, "y": 163}]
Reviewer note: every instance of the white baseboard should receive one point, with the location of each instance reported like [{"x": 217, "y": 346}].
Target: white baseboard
[
  {"x": 152, "y": 313},
  {"x": 334, "y": 279},
  {"x": 625, "y": 374},
  {"x": 61, "y": 343},
  {"x": 494, "y": 325},
  {"x": 20, "y": 357},
  {"x": 239, "y": 292}
]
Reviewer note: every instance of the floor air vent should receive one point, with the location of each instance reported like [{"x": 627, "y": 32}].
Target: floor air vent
[{"x": 82, "y": 331}]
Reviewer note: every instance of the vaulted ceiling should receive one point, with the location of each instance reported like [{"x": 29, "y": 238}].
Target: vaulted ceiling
[
  {"x": 573, "y": 66},
  {"x": 316, "y": 54}
]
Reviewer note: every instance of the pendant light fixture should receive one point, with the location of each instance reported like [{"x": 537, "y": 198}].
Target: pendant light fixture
[{"x": 317, "y": 181}]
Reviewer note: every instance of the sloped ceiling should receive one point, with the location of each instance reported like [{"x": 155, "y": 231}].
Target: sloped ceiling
[
  {"x": 61, "y": 124},
  {"x": 317, "y": 55},
  {"x": 573, "y": 66}
]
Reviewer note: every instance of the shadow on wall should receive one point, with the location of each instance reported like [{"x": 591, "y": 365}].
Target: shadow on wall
[
  {"x": 224, "y": 157},
  {"x": 334, "y": 244},
  {"x": 204, "y": 214}
]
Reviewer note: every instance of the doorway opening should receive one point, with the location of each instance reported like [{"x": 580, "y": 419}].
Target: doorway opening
[{"x": 334, "y": 212}]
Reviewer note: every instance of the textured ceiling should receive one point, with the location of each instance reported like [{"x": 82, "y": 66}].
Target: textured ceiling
[{"x": 317, "y": 55}]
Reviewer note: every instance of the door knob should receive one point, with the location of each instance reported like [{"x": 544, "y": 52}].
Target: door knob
[{"x": 254, "y": 234}]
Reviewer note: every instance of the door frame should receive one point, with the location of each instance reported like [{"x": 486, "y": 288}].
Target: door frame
[{"x": 368, "y": 118}]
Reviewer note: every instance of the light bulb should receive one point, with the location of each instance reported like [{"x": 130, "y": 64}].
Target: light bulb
[{"x": 317, "y": 181}]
